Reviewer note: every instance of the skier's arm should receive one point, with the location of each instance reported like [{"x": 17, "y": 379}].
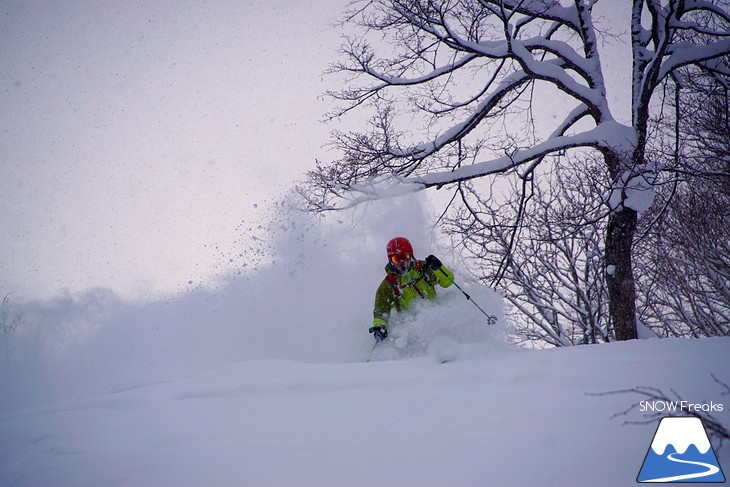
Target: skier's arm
[
  {"x": 444, "y": 276},
  {"x": 384, "y": 302}
]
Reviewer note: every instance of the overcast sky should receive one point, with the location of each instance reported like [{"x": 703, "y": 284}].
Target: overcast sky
[{"x": 136, "y": 135}]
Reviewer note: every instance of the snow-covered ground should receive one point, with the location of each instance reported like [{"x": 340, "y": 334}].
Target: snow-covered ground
[
  {"x": 492, "y": 417},
  {"x": 263, "y": 382}
]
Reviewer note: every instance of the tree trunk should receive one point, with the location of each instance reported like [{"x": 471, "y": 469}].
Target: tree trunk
[{"x": 619, "y": 273}]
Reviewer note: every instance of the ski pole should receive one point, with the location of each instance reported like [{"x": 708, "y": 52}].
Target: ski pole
[
  {"x": 371, "y": 352},
  {"x": 491, "y": 319}
]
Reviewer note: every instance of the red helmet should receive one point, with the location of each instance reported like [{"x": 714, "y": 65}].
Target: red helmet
[{"x": 398, "y": 246}]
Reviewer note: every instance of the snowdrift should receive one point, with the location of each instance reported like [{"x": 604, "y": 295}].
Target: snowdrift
[{"x": 499, "y": 417}]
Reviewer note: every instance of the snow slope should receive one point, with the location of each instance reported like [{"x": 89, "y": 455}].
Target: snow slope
[
  {"x": 493, "y": 417},
  {"x": 262, "y": 382}
]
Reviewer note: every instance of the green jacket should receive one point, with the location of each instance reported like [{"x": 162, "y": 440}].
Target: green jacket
[{"x": 400, "y": 290}]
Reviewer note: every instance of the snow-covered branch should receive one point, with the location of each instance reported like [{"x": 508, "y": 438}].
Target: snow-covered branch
[
  {"x": 542, "y": 9},
  {"x": 458, "y": 131},
  {"x": 554, "y": 71},
  {"x": 686, "y": 53},
  {"x": 603, "y": 136}
]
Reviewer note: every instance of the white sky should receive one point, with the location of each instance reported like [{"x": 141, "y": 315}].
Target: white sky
[
  {"x": 135, "y": 136},
  {"x": 136, "y": 133}
]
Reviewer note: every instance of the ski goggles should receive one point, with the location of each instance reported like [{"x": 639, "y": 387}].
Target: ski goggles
[{"x": 398, "y": 258}]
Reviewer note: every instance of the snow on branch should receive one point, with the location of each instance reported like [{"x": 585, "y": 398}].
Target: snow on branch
[
  {"x": 508, "y": 84},
  {"x": 543, "y": 9},
  {"x": 564, "y": 51},
  {"x": 687, "y": 53},
  {"x": 378, "y": 185},
  {"x": 603, "y": 136},
  {"x": 554, "y": 71}
]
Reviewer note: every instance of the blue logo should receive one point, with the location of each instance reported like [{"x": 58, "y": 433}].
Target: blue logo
[{"x": 680, "y": 452}]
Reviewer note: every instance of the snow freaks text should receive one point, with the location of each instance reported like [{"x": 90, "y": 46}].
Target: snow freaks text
[{"x": 680, "y": 406}]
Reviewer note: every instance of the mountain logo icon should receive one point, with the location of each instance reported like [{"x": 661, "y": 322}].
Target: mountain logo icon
[{"x": 680, "y": 452}]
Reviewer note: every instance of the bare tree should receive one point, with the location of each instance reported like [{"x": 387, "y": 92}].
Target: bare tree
[
  {"x": 550, "y": 269},
  {"x": 685, "y": 280},
  {"x": 685, "y": 258},
  {"x": 470, "y": 65}
]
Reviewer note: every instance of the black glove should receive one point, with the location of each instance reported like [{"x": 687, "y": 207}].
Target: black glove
[
  {"x": 433, "y": 262},
  {"x": 380, "y": 333}
]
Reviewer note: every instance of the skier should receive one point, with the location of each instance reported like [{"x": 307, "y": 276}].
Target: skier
[{"x": 405, "y": 280}]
